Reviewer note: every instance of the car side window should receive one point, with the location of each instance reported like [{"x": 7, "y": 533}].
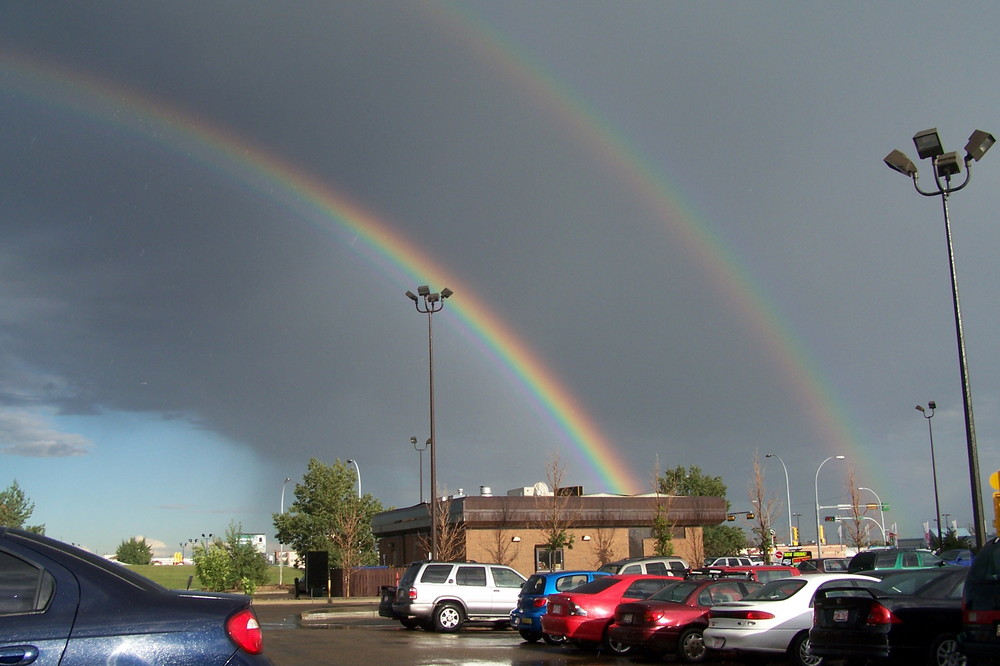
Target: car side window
[
  {"x": 657, "y": 568},
  {"x": 910, "y": 560},
  {"x": 436, "y": 573},
  {"x": 474, "y": 576},
  {"x": 632, "y": 569},
  {"x": 569, "y": 582},
  {"x": 24, "y": 588},
  {"x": 506, "y": 578}
]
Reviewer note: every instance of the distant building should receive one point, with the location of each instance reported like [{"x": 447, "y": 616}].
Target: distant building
[
  {"x": 602, "y": 527},
  {"x": 258, "y": 541}
]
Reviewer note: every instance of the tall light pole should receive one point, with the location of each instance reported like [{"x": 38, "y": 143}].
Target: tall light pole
[
  {"x": 788, "y": 494},
  {"x": 355, "y": 463},
  {"x": 427, "y": 302},
  {"x": 931, "y": 406},
  {"x": 946, "y": 165},
  {"x": 880, "y": 510},
  {"x": 819, "y": 547},
  {"x": 413, "y": 441},
  {"x": 281, "y": 569}
]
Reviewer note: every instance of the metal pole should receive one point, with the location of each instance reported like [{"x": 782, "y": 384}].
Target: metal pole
[
  {"x": 357, "y": 467},
  {"x": 413, "y": 441},
  {"x": 788, "y": 494},
  {"x": 434, "y": 502},
  {"x": 281, "y": 568},
  {"x": 819, "y": 547},
  {"x": 881, "y": 511},
  {"x": 970, "y": 425}
]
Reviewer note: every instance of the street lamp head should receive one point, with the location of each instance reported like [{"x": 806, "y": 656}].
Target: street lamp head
[
  {"x": 928, "y": 143},
  {"x": 410, "y": 295},
  {"x": 920, "y": 408},
  {"x": 979, "y": 143},
  {"x": 932, "y": 404},
  {"x": 898, "y": 161},
  {"x": 413, "y": 440},
  {"x": 287, "y": 479},
  {"x": 840, "y": 457},
  {"x": 424, "y": 290},
  {"x": 768, "y": 455},
  {"x": 350, "y": 462},
  {"x": 948, "y": 164},
  {"x": 446, "y": 292}
]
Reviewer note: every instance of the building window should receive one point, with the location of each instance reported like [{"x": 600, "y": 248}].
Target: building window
[{"x": 548, "y": 560}]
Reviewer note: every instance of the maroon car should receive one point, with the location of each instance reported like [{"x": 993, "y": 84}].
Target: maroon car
[{"x": 671, "y": 621}]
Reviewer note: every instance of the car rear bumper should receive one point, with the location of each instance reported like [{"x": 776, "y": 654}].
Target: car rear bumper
[
  {"x": 845, "y": 643},
  {"x": 663, "y": 639}
]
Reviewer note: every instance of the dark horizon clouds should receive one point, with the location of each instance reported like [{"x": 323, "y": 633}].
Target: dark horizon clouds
[{"x": 680, "y": 211}]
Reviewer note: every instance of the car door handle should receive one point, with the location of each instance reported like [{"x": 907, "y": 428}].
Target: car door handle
[{"x": 18, "y": 655}]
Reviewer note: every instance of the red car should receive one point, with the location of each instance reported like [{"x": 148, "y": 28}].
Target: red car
[
  {"x": 584, "y": 614},
  {"x": 671, "y": 621}
]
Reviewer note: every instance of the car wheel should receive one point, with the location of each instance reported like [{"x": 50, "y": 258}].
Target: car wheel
[
  {"x": 530, "y": 636},
  {"x": 615, "y": 647},
  {"x": 409, "y": 622},
  {"x": 553, "y": 639},
  {"x": 691, "y": 646},
  {"x": 798, "y": 651},
  {"x": 945, "y": 652},
  {"x": 448, "y": 618}
]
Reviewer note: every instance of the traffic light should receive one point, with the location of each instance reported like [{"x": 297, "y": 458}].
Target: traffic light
[
  {"x": 730, "y": 517},
  {"x": 795, "y": 536},
  {"x": 829, "y": 519},
  {"x": 996, "y": 512},
  {"x": 750, "y": 516}
]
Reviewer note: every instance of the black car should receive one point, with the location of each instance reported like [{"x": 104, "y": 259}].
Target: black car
[
  {"x": 62, "y": 605},
  {"x": 980, "y": 637},
  {"x": 912, "y": 616}
]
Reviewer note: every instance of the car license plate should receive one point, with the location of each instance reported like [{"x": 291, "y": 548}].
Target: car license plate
[
  {"x": 717, "y": 642},
  {"x": 556, "y": 609},
  {"x": 840, "y": 615},
  {"x": 626, "y": 618},
  {"x": 527, "y": 621}
]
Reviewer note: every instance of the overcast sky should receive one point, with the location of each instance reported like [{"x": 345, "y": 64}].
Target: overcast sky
[{"x": 669, "y": 230}]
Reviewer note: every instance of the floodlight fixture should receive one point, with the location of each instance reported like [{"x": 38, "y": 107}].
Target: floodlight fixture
[
  {"x": 410, "y": 295},
  {"x": 948, "y": 165},
  {"x": 979, "y": 143},
  {"x": 446, "y": 292},
  {"x": 433, "y": 298},
  {"x": 423, "y": 290},
  {"x": 898, "y": 161},
  {"x": 928, "y": 143}
]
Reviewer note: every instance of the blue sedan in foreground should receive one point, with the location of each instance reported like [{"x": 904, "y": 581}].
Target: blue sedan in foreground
[{"x": 62, "y": 605}]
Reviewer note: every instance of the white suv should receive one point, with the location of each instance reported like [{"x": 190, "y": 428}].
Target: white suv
[{"x": 443, "y": 596}]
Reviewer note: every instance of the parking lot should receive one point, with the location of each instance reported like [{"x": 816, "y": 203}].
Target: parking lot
[{"x": 352, "y": 633}]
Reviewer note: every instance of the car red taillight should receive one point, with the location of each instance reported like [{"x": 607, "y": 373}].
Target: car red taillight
[
  {"x": 742, "y": 614},
  {"x": 539, "y": 602},
  {"x": 244, "y": 629},
  {"x": 653, "y": 616},
  {"x": 879, "y": 614},
  {"x": 412, "y": 594}
]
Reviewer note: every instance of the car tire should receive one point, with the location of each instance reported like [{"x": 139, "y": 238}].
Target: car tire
[
  {"x": 691, "y": 646},
  {"x": 530, "y": 636},
  {"x": 945, "y": 652},
  {"x": 615, "y": 647},
  {"x": 798, "y": 651},
  {"x": 448, "y": 618},
  {"x": 554, "y": 639}
]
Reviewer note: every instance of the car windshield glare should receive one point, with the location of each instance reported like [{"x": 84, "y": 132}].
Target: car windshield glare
[{"x": 776, "y": 590}]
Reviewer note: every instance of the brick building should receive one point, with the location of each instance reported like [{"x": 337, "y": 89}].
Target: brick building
[{"x": 511, "y": 528}]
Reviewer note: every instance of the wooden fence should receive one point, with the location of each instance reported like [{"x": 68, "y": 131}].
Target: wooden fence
[{"x": 365, "y": 582}]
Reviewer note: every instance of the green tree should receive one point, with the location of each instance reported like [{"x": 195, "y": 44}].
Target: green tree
[
  {"x": 231, "y": 563},
  {"x": 134, "y": 551},
  {"x": 719, "y": 540},
  {"x": 16, "y": 509},
  {"x": 327, "y": 514}
]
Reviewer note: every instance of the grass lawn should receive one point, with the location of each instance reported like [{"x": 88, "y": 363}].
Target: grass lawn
[{"x": 175, "y": 576}]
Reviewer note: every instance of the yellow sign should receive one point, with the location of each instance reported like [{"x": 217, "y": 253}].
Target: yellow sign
[{"x": 995, "y": 480}]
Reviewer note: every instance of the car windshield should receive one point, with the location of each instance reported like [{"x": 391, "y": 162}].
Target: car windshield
[
  {"x": 906, "y": 581},
  {"x": 677, "y": 592},
  {"x": 776, "y": 590},
  {"x": 596, "y": 585}
]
